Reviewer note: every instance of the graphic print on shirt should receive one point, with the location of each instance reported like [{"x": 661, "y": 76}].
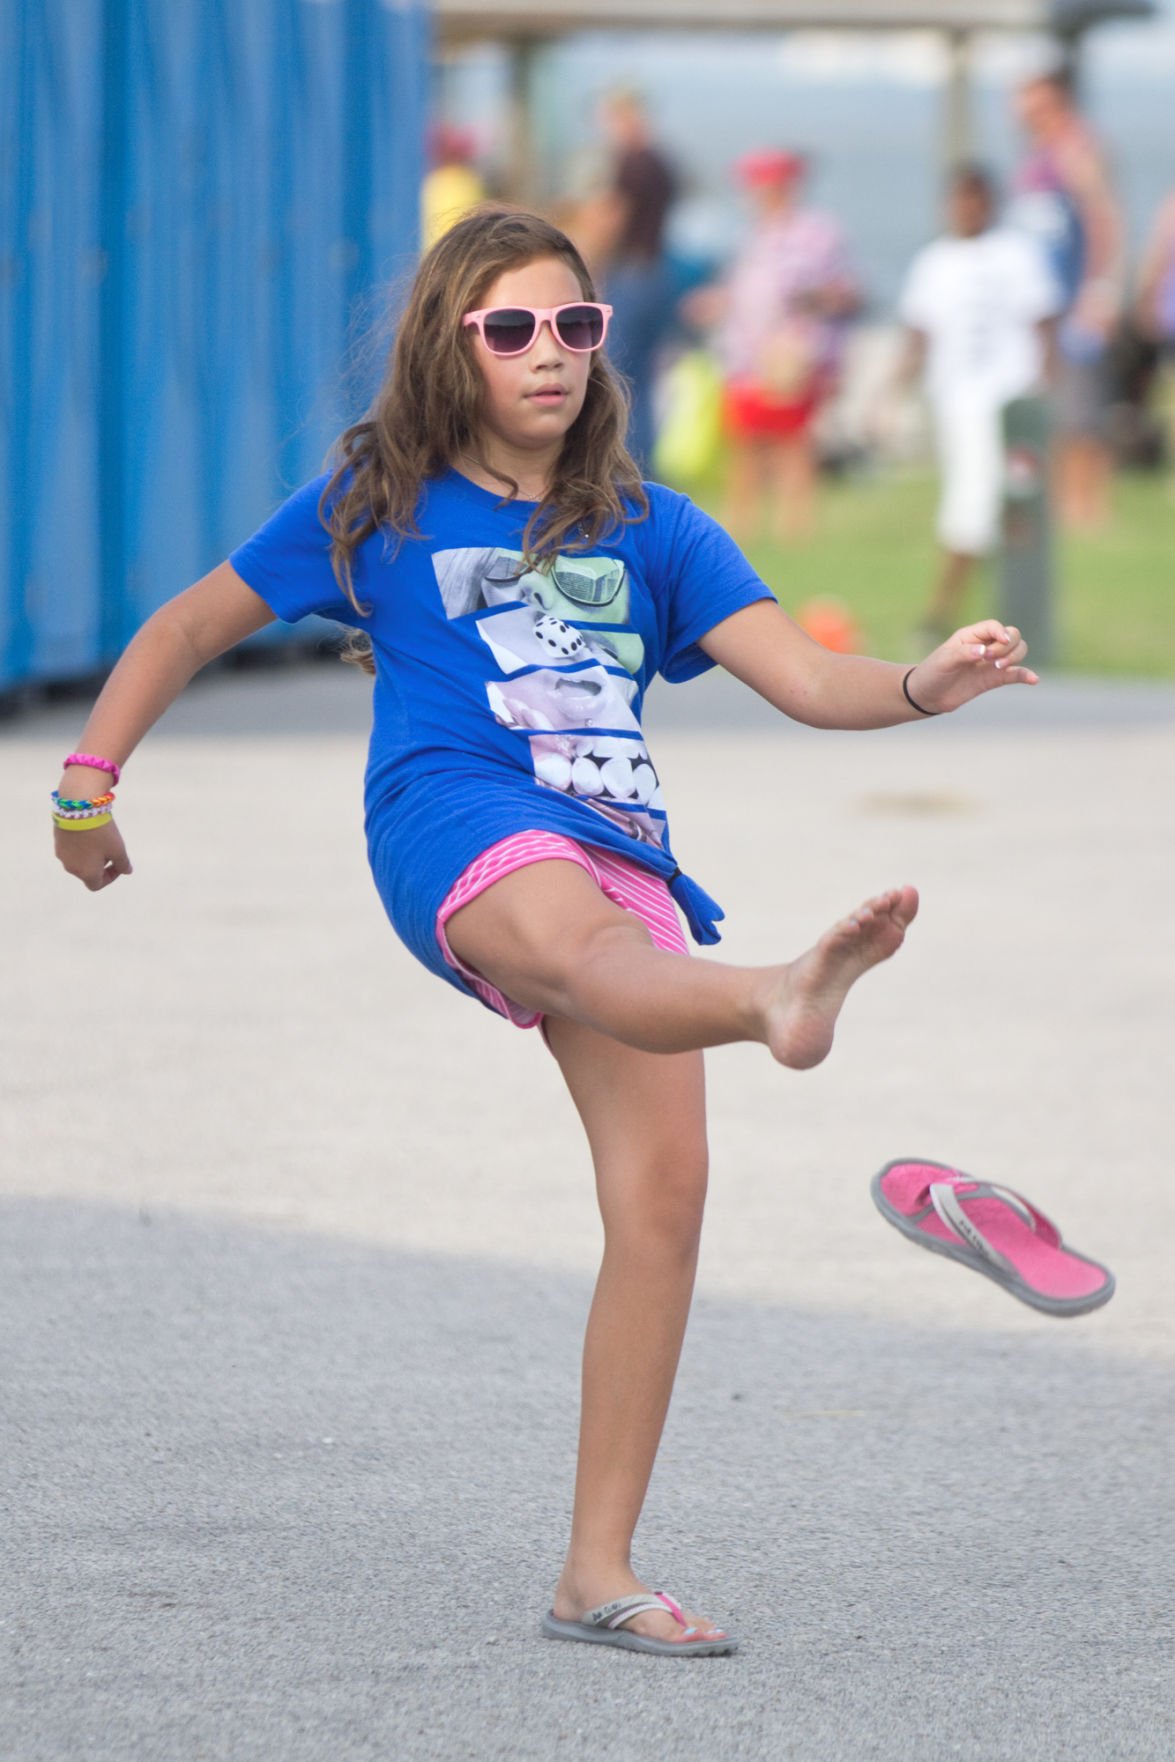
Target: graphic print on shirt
[
  {"x": 569, "y": 659},
  {"x": 575, "y": 590},
  {"x": 523, "y": 639},
  {"x": 551, "y": 700}
]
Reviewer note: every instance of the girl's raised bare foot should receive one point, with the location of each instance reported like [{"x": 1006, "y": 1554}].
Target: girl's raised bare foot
[{"x": 802, "y": 1000}]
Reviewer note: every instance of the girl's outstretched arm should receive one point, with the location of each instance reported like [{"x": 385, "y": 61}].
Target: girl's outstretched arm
[
  {"x": 206, "y": 620},
  {"x": 764, "y": 648}
]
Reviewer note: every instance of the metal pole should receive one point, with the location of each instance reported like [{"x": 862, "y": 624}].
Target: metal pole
[
  {"x": 1026, "y": 553},
  {"x": 523, "y": 158},
  {"x": 958, "y": 137}
]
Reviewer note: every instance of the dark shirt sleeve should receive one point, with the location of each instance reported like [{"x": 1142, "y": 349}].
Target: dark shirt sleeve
[
  {"x": 698, "y": 576},
  {"x": 287, "y": 562}
]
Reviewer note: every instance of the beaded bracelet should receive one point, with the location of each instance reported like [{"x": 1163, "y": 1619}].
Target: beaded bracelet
[
  {"x": 79, "y": 813},
  {"x": 93, "y": 763},
  {"x": 95, "y": 801},
  {"x": 83, "y": 822}
]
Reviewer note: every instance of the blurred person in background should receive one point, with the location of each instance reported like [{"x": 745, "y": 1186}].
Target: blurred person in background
[
  {"x": 979, "y": 309},
  {"x": 780, "y": 313},
  {"x": 1154, "y": 309},
  {"x": 622, "y": 232},
  {"x": 1065, "y": 200},
  {"x": 453, "y": 185}
]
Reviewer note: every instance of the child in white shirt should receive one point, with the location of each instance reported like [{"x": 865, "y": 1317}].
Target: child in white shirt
[{"x": 979, "y": 306}]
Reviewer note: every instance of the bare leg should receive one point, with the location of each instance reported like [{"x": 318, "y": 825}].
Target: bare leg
[
  {"x": 744, "y": 488},
  {"x": 794, "y": 479},
  {"x": 548, "y": 938},
  {"x": 946, "y": 604},
  {"x": 645, "y": 1120},
  {"x": 1085, "y": 468},
  {"x": 1167, "y": 405},
  {"x": 616, "y": 1005}
]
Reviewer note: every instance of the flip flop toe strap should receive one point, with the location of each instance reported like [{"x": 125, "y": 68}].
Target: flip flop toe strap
[
  {"x": 949, "y": 1202},
  {"x": 615, "y": 1614}
]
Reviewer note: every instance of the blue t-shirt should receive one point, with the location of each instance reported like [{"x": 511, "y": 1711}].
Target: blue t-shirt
[{"x": 509, "y": 700}]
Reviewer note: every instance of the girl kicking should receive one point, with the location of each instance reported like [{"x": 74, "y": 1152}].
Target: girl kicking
[{"x": 514, "y": 587}]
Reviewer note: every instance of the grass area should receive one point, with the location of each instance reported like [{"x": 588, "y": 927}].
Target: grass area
[{"x": 1115, "y": 591}]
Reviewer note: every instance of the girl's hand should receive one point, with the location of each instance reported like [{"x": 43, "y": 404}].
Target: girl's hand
[
  {"x": 978, "y": 658},
  {"x": 96, "y": 858}
]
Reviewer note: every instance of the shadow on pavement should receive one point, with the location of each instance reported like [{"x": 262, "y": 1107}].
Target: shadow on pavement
[{"x": 286, "y": 1497}]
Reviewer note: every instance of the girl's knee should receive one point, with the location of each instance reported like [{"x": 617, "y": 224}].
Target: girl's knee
[
  {"x": 615, "y": 935},
  {"x": 574, "y": 968},
  {"x": 662, "y": 1208}
]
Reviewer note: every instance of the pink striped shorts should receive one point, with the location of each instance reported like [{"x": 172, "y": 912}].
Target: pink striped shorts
[{"x": 625, "y": 883}]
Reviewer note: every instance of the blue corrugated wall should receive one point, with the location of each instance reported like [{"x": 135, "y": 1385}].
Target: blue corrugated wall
[{"x": 201, "y": 203}]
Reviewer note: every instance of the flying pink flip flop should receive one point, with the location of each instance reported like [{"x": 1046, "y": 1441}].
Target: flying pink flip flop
[{"x": 992, "y": 1230}]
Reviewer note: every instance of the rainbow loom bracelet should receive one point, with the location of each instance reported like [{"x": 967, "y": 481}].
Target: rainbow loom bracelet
[
  {"x": 79, "y": 813},
  {"x": 93, "y": 763},
  {"x": 96, "y": 801}
]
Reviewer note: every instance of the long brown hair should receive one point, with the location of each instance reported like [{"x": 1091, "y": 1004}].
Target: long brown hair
[{"x": 427, "y": 411}]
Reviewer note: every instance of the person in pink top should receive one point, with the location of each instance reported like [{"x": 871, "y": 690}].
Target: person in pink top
[{"x": 782, "y": 311}]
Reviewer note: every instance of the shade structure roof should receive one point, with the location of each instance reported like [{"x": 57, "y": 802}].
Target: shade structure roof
[{"x": 466, "y": 19}]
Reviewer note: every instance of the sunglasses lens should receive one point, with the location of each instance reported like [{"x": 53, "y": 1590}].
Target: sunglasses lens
[
  {"x": 508, "y": 330},
  {"x": 584, "y": 589},
  {"x": 581, "y": 327}
]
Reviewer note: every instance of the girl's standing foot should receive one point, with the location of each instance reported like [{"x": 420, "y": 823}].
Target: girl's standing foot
[{"x": 576, "y": 1593}]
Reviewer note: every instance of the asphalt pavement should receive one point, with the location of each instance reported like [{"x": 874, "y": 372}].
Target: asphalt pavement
[{"x": 298, "y": 1247}]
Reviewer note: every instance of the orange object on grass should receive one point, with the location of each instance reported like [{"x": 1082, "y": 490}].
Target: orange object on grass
[{"x": 830, "y": 622}]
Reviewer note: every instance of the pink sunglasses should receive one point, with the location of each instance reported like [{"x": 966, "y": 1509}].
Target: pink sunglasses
[{"x": 579, "y": 328}]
